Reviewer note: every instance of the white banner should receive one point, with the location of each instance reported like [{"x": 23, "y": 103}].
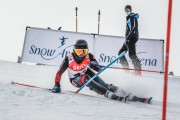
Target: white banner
[
  {"x": 150, "y": 52},
  {"x": 50, "y": 47}
]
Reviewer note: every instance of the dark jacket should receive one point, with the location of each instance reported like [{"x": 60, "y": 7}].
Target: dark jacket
[{"x": 132, "y": 33}]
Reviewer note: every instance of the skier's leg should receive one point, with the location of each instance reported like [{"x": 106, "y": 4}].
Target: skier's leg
[
  {"x": 97, "y": 88},
  {"x": 77, "y": 81},
  {"x": 110, "y": 87},
  {"x": 97, "y": 79},
  {"x": 80, "y": 80},
  {"x": 100, "y": 87}
]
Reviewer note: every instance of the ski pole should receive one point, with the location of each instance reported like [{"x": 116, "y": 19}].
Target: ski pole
[
  {"x": 119, "y": 57},
  {"x": 99, "y": 13}
]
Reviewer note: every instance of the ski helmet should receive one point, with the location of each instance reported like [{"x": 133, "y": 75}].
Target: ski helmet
[
  {"x": 128, "y": 7},
  {"x": 81, "y": 44}
]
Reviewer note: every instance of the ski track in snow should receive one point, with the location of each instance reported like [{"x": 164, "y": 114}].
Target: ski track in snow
[{"x": 25, "y": 103}]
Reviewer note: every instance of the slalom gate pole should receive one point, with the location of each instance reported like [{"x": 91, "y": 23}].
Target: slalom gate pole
[
  {"x": 99, "y": 13},
  {"x": 119, "y": 57},
  {"x": 21, "y": 84},
  {"x": 167, "y": 60},
  {"x": 76, "y": 20}
]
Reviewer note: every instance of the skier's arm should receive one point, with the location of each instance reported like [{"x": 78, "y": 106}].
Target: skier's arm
[
  {"x": 62, "y": 69},
  {"x": 94, "y": 64}
]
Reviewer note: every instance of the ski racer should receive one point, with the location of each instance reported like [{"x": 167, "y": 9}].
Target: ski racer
[{"x": 80, "y": 65}]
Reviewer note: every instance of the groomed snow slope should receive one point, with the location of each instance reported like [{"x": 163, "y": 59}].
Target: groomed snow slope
[{"x": 24, "y": 103}]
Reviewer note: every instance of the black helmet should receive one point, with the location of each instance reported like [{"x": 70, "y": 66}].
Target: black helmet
[
  {"x": 81, "y": 44},
  {"x": 128, "y": 7}
]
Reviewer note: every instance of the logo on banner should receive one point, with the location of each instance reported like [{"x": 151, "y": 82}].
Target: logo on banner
[
  {"x": 49, "y": 54},
  {"x": 62, "y": 40},
  {"x": 144, "y": 61}
]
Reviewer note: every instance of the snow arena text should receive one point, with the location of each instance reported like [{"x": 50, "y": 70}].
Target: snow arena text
[
  {"x": 48, "y": 54},
  {"x": 144, "y": 61}
]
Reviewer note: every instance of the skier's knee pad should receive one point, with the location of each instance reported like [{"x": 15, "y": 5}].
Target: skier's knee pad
[{"x": 80, "y": 80}]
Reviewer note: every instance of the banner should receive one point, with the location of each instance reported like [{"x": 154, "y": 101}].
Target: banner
[
  {"x": 50, "y": 47},
  {"x": 150, "y": 52},
  {"x": 46, "y": 46}
]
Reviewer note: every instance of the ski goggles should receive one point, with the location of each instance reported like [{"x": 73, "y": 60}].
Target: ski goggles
[{"x": 81, "y": 51}]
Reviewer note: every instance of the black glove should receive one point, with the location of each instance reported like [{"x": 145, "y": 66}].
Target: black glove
[
  {"x": 94, "y": 65},
  {"x": 56, "y": 88}
]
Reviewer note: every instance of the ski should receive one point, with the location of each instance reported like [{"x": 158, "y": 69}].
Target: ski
[
  {"x": 142, "y": 100},
  {"x": 113, "y": 96},
  {"x": 126, "y": 99}
]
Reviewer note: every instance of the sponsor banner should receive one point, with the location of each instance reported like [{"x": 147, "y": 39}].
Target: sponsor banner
[
  {"x": 46, "y": 46},
  {"x": 50, "y": 46},
  {"x": 150, "y": 52}
]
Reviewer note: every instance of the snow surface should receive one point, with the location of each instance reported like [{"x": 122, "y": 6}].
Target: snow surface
[{"x": 25, "y": 103}]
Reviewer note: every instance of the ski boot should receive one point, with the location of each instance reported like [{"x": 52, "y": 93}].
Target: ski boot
[
  {"x": 111, "y": 88},
  {"x": 113, "y": 96}
]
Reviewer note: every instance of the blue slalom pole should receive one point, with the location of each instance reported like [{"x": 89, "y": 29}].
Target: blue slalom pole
[{"x": 119, "y": 57}]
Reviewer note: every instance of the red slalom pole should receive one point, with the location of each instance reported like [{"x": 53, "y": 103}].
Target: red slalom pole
[
  {"x": 21, "y": 84},
  {"x": 167, "y": 60}
]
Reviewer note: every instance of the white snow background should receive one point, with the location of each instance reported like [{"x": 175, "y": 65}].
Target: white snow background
[{"x": 25, "y": 103}]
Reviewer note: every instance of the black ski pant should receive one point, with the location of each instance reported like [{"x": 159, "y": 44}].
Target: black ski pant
[
  {"x": 131, "y": 48},
  {"x": 98, "y": 85}
]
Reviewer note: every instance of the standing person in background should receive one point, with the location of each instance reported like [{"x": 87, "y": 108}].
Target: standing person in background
[{"x": 131, "y": 37}]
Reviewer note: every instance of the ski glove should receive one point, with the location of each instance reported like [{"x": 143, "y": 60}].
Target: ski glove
[
  {"x": 56, "y": 88},
  {"x": 95, "y": 65}
]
